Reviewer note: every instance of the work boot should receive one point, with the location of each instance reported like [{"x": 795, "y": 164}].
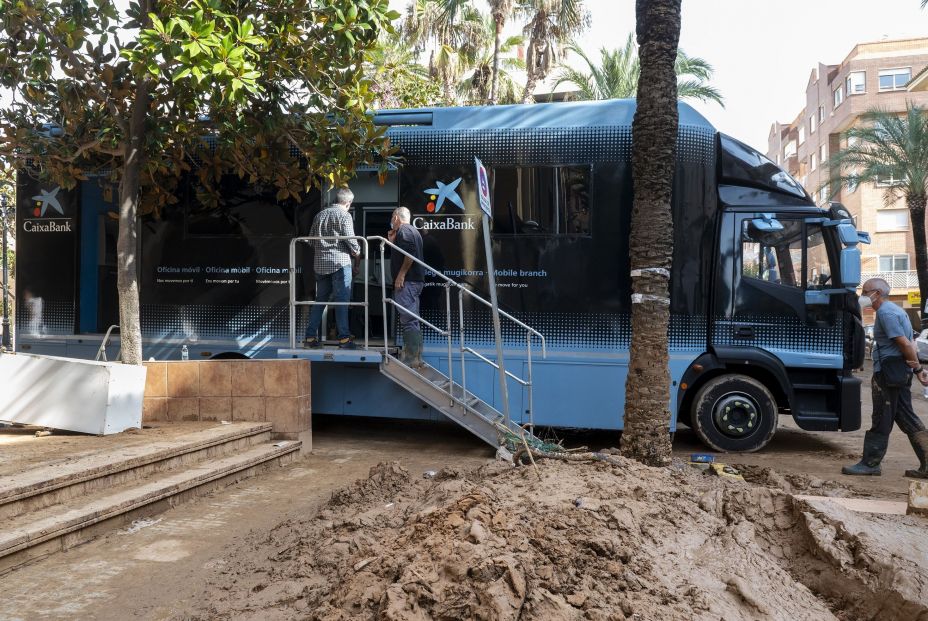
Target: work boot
[
  {"x": 412, "y": 348},
  {"x": 919, "y": 441},
  {"x": 874, "y": 448}
]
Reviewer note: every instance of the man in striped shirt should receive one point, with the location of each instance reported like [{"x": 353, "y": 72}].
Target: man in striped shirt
[{"x": 332, "y": 264}]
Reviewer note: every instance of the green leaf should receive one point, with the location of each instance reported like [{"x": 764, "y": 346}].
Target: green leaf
[{"x": 181, "y": 74}]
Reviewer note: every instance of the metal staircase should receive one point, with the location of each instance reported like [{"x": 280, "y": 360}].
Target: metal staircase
[{"x": 446, "y": 393}]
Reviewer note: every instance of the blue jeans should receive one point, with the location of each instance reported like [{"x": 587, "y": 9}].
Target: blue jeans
[{"x": 334, "y": 287}]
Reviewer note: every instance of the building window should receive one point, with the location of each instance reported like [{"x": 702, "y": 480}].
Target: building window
[
  {"x": 802, "y": 134},
  {"x": 823, "y": 194},
  {"x": 813, "y": 161},
  {"x": 895, "y": 79},
  {"x": 852, "y": 184},
  {"x": 889, "y": 180},
  {"x": 811, "y": 124},
  {"x": 856, "y": 83},
  {"x": 789, "y": 150},
  {"x": 823, "y": 153},
  {"x": 894, "y": 262},
  {"x": 892, "y": 220},
  {"x": 821, "y": 114},
  {"x": 839, "y": 96}
]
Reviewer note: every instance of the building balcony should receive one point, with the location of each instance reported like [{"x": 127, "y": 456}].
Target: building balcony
[{"x": 899, "y": 282}]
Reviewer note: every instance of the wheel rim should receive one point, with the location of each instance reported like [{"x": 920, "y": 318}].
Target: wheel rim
[{"x": 736, "y": 415}]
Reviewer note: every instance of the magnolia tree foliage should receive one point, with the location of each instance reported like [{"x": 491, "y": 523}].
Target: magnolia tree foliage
[{"x": 270, "y": 91}]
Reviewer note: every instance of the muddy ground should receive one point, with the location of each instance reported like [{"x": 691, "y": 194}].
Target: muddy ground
[
  {"x": 324, "y": 538},
  {"x": 588, "y": 540}
]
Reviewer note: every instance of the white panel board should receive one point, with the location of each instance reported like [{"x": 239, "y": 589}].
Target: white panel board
[{"x": 70, "y": 394}]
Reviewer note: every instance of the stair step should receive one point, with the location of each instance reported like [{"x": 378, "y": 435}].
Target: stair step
[
  {"x": 37, "y": 534},
  {"x": 57, "y": 482}
]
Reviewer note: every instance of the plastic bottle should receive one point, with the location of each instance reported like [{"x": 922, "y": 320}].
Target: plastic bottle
[
  {"x": 184, "y": 353},
  {"x": 925, "y": 392}
]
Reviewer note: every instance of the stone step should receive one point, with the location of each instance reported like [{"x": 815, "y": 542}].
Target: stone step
[
  {"x": 59, "y": 481},
  {"x": 35, "y": 535}
]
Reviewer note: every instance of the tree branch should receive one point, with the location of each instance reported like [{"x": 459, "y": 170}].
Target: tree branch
[{"x": 80, "y": 66}]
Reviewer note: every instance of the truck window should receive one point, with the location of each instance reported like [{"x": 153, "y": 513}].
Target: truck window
[
  {"x": 777, "y": 256},
  {"x": 545, "y": 201}
]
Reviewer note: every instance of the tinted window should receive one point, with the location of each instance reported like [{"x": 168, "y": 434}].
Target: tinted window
[
  {"x": 244, "y": 210},
  {"x": 742, "y": 164},
  {"x": 541, "y": 201}
]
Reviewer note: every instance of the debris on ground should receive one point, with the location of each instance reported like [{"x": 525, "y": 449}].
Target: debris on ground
[{"x": 589, "y": 540}]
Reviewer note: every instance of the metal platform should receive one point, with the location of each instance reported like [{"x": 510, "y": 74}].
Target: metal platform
[
  {"x": 334, "y": 354},
  {"x": 447, "y": 394}
]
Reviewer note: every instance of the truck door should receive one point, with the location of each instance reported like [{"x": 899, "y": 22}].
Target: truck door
[
  {"x": 372, "y": 219},
  {"x": 777, "y": 259}
]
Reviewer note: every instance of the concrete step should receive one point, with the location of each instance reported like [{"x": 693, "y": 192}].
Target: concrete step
[
  {"x": 36, "y": 534},
  {"x": 59, "y": 481}
]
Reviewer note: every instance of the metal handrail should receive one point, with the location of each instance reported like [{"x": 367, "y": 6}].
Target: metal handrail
[
  {"x": 101, "y": 352},
  {"x": 458, "y": 286},
  {"x": 463, "y": 349},
  {"x": 294, "y": 302},
  {"x": 446, "y": 332}
]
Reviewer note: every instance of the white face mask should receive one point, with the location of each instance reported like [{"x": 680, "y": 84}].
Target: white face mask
[{"x": 865, "y": 301}]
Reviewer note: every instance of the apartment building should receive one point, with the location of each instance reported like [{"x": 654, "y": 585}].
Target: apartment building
[{"x": 873, "y": 75}]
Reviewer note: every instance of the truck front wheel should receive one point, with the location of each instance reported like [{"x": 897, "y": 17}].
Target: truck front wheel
[{"x": 734, "y": 413}]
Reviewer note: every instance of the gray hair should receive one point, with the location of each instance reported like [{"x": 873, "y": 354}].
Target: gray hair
[
  {"x": 878, "y": 284},
  {"x": 343, "y": 196},
  {"x": 403, "y": 214}
]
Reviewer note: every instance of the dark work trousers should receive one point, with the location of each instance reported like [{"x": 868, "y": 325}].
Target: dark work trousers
[
  {"x": 408, "y": 297},
  {"x": 892, "y": 405}
]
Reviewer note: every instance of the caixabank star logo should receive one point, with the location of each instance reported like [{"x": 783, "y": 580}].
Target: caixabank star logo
[
  {"x": 433, "y": 220},
  {"x": 46, "y": 205}
]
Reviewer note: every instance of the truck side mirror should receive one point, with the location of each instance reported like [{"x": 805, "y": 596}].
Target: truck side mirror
[
  {"x": 767, "y": 223},
  {"x": 850, "y": 267}
]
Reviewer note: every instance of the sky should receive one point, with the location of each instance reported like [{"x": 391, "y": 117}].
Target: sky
[{"x": 763, "y": 52}]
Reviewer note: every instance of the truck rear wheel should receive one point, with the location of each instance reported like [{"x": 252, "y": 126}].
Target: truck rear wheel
[{"x": 734, "y": 413}]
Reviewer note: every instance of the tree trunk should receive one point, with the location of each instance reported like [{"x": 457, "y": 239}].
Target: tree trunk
[
  {"x": 494, "y": 85},
  {"x": 127, "y": 281},
  {"x": 646, "y": 436},
  {"x": 916, "y": 206},
  {"x": 528, "y": 97}
]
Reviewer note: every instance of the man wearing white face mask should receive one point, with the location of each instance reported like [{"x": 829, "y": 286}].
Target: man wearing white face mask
[{"x": 895, "y": 360}]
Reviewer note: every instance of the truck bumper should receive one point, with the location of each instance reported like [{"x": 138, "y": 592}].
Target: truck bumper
[{"x": 849, "y": 412}]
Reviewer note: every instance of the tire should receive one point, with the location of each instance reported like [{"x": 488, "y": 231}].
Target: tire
[{"x": 734, "y": 413}]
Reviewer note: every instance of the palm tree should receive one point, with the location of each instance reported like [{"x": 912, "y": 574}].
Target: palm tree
[
  {"x": 890, "y": 149},
  {"x": 616, "y": 76},
  {"x": 500, "y": 11},
  {"x": 646, "y": 436},
  {"x": 477, "y": 88},
  {"x": 397, "y": 78},
  {"x": 551, "y": 25},
  {"x": 453, "y": 29}
]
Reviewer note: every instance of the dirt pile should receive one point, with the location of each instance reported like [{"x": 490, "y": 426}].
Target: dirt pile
[{"x": 587, "y": 541}]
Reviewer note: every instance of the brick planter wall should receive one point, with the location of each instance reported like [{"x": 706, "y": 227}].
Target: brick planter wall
[{"x": 274, "y": 391}]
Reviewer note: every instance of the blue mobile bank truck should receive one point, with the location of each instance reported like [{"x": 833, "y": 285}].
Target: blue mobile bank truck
[{"x": 764, "y": 316}]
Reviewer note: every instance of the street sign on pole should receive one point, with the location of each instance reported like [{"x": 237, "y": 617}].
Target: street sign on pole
[{"x": 483, "y": 185}]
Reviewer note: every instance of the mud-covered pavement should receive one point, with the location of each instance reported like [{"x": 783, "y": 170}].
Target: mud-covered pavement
[{"x": 180, "y": 564}]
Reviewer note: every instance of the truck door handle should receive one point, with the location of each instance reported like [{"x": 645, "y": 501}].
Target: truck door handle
[{"x": 744, "y": 332}]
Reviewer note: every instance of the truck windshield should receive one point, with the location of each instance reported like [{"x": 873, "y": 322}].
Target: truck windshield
[{"x": 742, "y": 164}]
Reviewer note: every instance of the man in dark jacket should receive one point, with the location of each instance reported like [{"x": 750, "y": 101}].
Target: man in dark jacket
[{"x": 408, "y": 278}]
